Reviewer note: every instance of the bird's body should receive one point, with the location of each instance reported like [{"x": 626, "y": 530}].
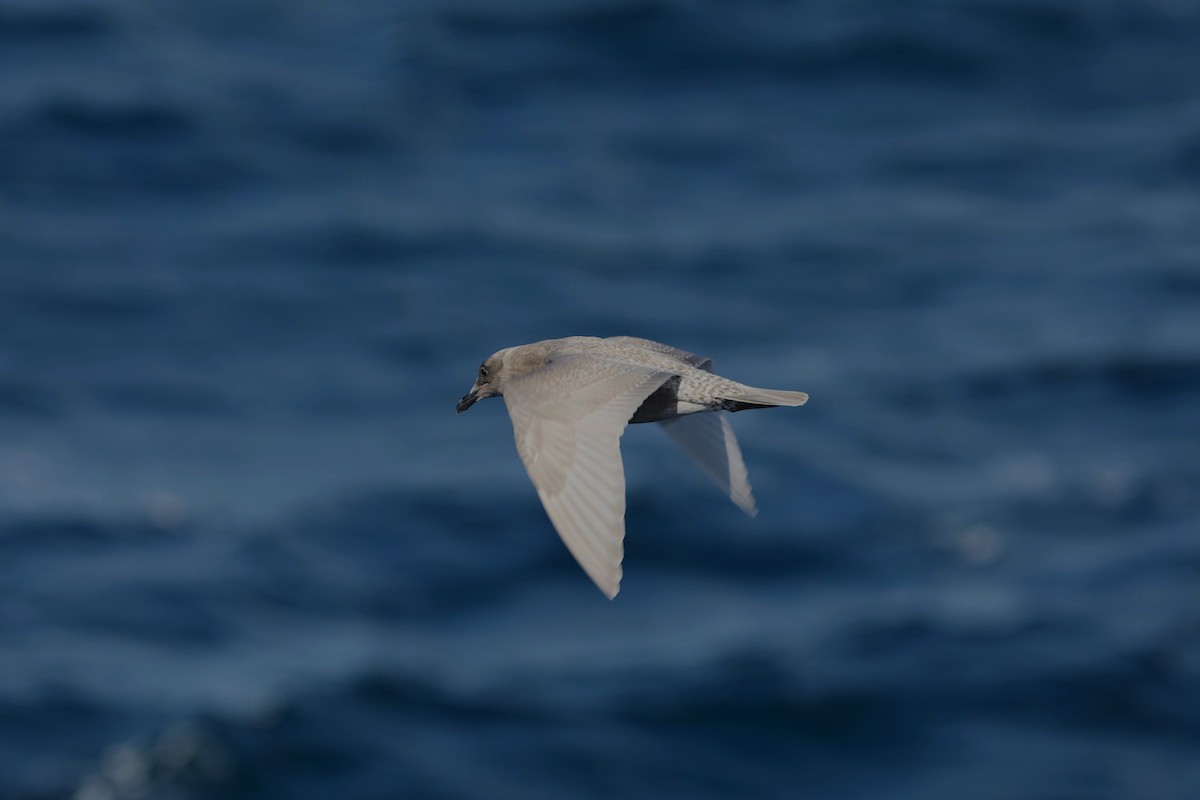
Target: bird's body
[{"x": 570, "y": 400}]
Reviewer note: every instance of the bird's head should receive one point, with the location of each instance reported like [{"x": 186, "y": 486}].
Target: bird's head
[
  {"x": 488, "y": 382},
  {"x": 503, "y": 366}
]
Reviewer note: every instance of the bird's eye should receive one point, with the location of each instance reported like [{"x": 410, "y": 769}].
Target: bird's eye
[{"x": 483, "y": 373}]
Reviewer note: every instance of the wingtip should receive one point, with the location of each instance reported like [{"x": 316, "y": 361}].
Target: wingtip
[
  {"x": 745, "y": 501},
  {"x": 608, "y": 582},
  {"x": 748, "y": 508}
]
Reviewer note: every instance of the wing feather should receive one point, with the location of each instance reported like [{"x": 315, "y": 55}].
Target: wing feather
[
  {"x": 568, "y": 417},
  {"x": 708, "y": 438},
  {"x": 700, "y": 362}
]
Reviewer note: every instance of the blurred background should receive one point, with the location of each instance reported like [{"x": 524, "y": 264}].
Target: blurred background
[{"x": 253, "y": 251}]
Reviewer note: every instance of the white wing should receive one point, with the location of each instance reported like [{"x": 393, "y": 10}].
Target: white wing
[
  {"x": 568, "y": 417},
  {"x": 708, "y": 438},
  {"x": 700, "y": 362}
]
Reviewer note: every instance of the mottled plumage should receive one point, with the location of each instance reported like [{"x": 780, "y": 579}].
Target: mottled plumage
[{"x": 570, "y": 400}]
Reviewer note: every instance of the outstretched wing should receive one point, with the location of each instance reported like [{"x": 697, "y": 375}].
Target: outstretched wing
[
  {"x": 708, "y": 438},
  {"x": 568, "y": 417},
  {"x": 699, "y": 362}
]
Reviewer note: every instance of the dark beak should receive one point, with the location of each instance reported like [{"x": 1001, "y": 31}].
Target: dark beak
[{"x": 467, "y": 400}]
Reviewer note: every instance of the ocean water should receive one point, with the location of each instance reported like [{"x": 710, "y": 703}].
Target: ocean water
[{"x": 252, "y": 252}]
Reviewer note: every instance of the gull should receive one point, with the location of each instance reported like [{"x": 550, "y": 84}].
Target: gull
[{"x": 570, "y": 400}]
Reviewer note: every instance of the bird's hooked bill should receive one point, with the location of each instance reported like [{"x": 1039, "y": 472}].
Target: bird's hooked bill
[{"x": 467, "y": 401}]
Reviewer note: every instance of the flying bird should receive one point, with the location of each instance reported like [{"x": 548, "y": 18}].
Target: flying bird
[{"x": 570, "y": 400}]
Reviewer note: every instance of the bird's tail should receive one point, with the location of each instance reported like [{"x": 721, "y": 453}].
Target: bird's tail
[{"x": 745, "y": 397}]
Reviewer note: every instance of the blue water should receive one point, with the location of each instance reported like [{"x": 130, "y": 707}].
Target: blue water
[{"x": 251, "y": 253}]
